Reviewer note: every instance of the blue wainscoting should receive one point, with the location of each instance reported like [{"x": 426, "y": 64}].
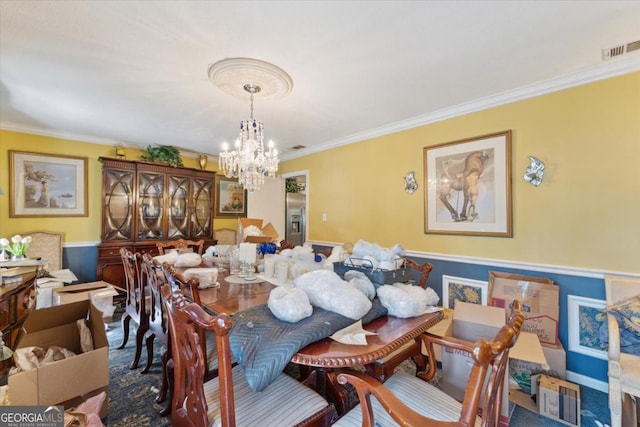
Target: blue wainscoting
[{"x": 581, "y": 368}]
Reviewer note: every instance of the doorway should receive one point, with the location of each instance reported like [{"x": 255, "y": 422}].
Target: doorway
[{"x": 296, "y": 197}]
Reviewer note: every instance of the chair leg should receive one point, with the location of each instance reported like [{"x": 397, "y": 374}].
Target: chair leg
[
  {"x": 162, "y": 394},
  {"x": 149, "y": 345},
  {"x": 615, "y": 402},
  {"x": 169, "y": 370},
  {"x": 140, "y": 333},
  {"x": 126, "y": 320}
]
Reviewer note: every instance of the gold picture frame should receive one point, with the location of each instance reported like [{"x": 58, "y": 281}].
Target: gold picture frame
[
  {"x": 468, "y": 186},
  {"x": 47, "y": 185},
  {"x": 231, "y": 198}
]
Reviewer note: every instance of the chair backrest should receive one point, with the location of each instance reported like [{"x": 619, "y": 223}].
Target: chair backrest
[
  {"x": 135, "y": 304},
  {"x": 286, "y": 245},
  {"x": 620, "y": 288},
  {"x": 226, "y": 236},
  {"x": 46, "y": 245},
  {"x": 181, "y": 245},
  {"x": 189, "y": 405},
  {"x": 423, "y": 269},
  {"x": 153, "y": 273},
  {"x": 485, "y": 383}
]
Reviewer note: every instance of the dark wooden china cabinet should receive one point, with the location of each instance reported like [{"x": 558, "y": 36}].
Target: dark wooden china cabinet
[{"x": 145, "y": 203}]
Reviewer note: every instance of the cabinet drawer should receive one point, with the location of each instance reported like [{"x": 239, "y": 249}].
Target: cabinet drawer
[
  {"x": 112, "y": 252},
  {"x": 24, "y": 301}
]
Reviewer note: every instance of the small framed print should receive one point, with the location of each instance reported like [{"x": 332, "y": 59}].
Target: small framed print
[
  {"x": 585, "y": 318},
  {"x": 465, "y": 290},
  {"x": 231, "y": 198}
]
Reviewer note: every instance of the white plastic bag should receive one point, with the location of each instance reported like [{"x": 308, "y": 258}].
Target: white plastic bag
[
  {"x": 405, "y": 301},
  {"x": 327, "y": 290},
  {"x": 289, "y": 304}
]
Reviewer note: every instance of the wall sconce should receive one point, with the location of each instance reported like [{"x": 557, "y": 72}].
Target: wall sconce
[
  {"x": 535, "y": 171},
  {"x": 410, "y": 184}
]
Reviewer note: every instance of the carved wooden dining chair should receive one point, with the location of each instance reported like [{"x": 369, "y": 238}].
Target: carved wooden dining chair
[
  {"x": 207, "y": 339},
  {"x": 412, "y": 401},
  {"x": 158, "y": 325},
  {"x": 136, "y": 303},
  {"x": 384, "y": 368},
  {"x": 181, "y": 245},
  {"x": 228, "y": 400}
]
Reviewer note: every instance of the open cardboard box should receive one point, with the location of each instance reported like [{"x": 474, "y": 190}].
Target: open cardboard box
[
  {"x": 474, "y": 321},
  {"x": 522, "y": 371},
  {"x": 268, "y": 230},
  {"x": 539, "y": 298},
  {"x": 70, "y": 381},
  {"x": 101, "y": 293}
]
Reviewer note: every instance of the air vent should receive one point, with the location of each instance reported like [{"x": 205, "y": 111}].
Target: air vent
[
  {"x": 298, "y": 147},
  {"x": 619, "y": 50}
]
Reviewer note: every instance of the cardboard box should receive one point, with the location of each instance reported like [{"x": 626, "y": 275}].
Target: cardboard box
[
  {"x": 522, "y": 371},
  {"x": 44, "y": 291},
  {"x": 101, "y": 293},
  {"x": 269, "y": 231},
  {"x": 539, "y": 298},
  {"x": 559, "y": 400},
  {"x": 474, "y": 321},
  {"x": 68, "y": 381}
]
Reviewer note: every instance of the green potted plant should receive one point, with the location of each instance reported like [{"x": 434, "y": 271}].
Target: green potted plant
[{"x": 166, "y": 154}]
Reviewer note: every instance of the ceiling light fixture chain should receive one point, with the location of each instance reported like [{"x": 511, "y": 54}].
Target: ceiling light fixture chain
[{"x": 248, "y": 162}]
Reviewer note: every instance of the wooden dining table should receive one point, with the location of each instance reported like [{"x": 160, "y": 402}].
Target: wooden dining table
[
  {"x": 320, "y": 359},
  {"x": 326, "y": 356}
]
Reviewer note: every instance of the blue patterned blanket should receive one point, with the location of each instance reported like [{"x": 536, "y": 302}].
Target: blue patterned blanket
[{"x": 263, "y": 345}]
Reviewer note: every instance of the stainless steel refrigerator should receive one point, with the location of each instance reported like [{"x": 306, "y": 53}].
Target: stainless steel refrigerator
[{"x": 295, "y": 223}]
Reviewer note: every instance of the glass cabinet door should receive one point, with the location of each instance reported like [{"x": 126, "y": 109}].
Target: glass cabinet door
[
  {"x": 178, "y": 207},
  {"x": 150, "y": 205},
  {"x": 203, "y": 208},
  {"x": 118, "y": 205}
]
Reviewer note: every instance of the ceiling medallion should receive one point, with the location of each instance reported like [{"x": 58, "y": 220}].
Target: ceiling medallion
[{"x": 231, "y": 74}]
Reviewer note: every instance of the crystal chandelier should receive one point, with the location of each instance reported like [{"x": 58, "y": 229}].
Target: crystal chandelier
[{"x": 248, "y": 161}]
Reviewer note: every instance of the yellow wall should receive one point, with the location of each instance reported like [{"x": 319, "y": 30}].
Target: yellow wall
[
  {"x": 585, "y": 214},
  {"x": 76, "y": 229}
]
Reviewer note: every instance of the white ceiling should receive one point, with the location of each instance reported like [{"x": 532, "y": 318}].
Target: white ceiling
[{"x": 135, "y": 72}]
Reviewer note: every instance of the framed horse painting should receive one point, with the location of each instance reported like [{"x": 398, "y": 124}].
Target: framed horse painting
[{"x": 468, "y": 186}]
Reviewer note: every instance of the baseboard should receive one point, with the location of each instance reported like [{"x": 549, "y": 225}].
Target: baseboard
[{"x": 588, "y": 382}]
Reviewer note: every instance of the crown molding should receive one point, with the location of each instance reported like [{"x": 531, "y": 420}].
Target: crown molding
[{"x": 601, "y": 72}]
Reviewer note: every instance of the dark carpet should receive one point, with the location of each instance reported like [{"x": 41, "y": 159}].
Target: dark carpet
[{"x": 132, "y": 394}]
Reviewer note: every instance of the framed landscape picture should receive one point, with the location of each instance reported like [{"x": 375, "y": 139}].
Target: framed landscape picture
[
  {"x": 231, "y": 198},
  {"x": 43, "y": 185},
  {"x": 468, "y": 186},
  {"x": 465, "y": 290}
]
